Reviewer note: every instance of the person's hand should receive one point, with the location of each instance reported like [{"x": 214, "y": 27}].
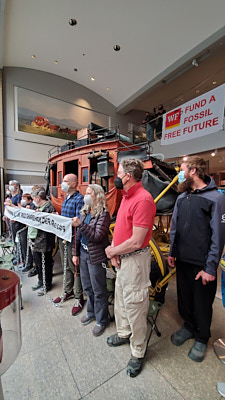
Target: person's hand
[
  {"x": 28, "y": 206},
  {"x": 115, "y": 261},
  {"x": 206, "y": 278},
  {"x": 76, "y": 260},
  {"x": 76, "y": 221},
  {"x": 171, "y": 261},
  {"x": 109, "y": 251},
  {"x": 8, "y": 202}
]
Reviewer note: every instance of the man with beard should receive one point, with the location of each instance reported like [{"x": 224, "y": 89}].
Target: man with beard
[{"x": 197, "y": 239}]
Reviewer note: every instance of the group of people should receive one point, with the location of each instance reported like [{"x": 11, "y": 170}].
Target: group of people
[
  {"x": 153, "y": 122},
  {"x": 197, "y": 241}
]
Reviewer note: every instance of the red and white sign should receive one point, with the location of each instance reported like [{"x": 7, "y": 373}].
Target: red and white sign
[{"x": 196, "y": 118}]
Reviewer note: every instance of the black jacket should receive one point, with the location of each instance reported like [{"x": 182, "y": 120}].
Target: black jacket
[
  {"x": 96, "y": 233},
  {"x": 197, "y": 231}
]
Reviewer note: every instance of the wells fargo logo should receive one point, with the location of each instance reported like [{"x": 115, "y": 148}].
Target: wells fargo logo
[{"x": 173, "y": 119}]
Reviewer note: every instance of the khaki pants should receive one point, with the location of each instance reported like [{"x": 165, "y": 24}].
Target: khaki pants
[
  {"x": 70, "y": 271},
  {"x": 132, "y": 300}
]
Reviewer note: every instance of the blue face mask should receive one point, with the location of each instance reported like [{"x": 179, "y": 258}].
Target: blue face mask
[{"x": 181, "y": 177}]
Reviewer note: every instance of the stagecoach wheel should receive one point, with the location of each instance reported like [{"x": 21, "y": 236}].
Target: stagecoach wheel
[
  {"x": 54, "y": 251},
  {"x": 158, "y": 255}
]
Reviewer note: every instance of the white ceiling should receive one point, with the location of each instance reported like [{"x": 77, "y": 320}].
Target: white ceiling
[{"x": 157, "y": 37}]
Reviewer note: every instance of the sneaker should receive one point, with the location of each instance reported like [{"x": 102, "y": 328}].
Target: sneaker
[
  {"x": 33, "y": 272},
  {"x": 78, "y": 305},
  {"x": 36, "y": 286},
  {"x": 98, "y": 329},
  {"x": 66, "y": 296},
  {"x": 115, "y": 340},
  {"x": 179, "y": 337},
  {"x": 197, "y": 352},
  {"x": 85, "y": 320},
  {"x": 41, "y": 292},
  {"x": 134, "y": 366}
]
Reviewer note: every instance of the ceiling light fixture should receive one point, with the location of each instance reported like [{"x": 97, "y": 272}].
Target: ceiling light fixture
[
  {"x": 195, "y": 63},
  {"x": 214, "y": 82},
  {"x": 116, "y": 47},
  {"x": 213, "y": 153},
  {"x": 186, "y": 67},
  {"x": 72, "y": 22},
  {"x": 55, "y": 62},
  {"x": 107, "y": 89},
  {"x": 33, "y": 56},
  {"x": 75, "y": 69},
  {"x": 93, "y": 79}
]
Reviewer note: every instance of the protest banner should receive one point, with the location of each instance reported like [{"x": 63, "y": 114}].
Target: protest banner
[
  {"x": 53, "y": 223},
  {"x": 196, "y": 118}
]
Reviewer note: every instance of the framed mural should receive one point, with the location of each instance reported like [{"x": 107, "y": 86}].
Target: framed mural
[{"x": 43, "y": 115}]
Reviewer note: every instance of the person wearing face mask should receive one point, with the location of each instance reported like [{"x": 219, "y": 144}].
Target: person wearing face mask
[
  {"x": 89, "y": 250},
  {"x": 71, "y": 208},
  {"x": 4, "y": 218},
  {"x": 26, "y": 200},
  {"x": 43, "y": 242},
  {"x": 16, "y": 192},
  {"x": 130, "y": 253},
  {"x": 159, "y": 120},
  {"x": 197, "y": 237}
]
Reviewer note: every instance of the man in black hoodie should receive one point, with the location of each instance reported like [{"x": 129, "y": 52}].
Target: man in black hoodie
[{"x": 197, "y": 237}]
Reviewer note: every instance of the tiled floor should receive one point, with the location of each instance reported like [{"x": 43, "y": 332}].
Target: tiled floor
[{"x": 61, "y": 359}]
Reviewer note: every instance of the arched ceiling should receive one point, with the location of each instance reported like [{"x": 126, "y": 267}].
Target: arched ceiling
[{"x": 158, "y": 41}]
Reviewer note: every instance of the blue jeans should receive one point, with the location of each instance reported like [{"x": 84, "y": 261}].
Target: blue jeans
[{"x": 93, "y": 279}]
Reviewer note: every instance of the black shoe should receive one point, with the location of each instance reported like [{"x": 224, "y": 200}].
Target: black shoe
[
  {"x": 134, "y": 366},
  {"x": 33, "y": 272},
  {"x": 28, "y": 268},
  {"x": 115, "y": 340}
]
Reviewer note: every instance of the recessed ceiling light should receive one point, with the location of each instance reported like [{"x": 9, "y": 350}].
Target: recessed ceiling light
[
  {"x": 55, "y": 62},
  {"x": 214, "y": 82},
  {"x": 197, "y": 91},
  {"x": 33, "y": 56},
  {"x": 75, "y": 69},
  {"x": 93, "y": 79},
  {"x": 107, "y": 89}
]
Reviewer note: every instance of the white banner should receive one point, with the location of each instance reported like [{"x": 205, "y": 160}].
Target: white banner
[
  {"x": 53, "y": 223},
  {"x": 196, "y": 118}
]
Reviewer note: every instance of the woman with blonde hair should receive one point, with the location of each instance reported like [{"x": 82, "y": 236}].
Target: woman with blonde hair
[{"x": 91, "y": 239}]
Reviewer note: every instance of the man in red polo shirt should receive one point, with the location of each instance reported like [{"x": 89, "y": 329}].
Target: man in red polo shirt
[{"x": 130, "y": 254}]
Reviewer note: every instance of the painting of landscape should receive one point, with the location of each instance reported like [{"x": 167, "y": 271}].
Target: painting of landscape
[{"x": 43, "y": 115}]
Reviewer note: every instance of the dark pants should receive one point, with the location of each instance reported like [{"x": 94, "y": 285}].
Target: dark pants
[
  {"x": 23, "y": 243},
  {"x": 93, "y": 278},
  {"x": 48, "y": 267},
  {"x": 195, "y": 300}
]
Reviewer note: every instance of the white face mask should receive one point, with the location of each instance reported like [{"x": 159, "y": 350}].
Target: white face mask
[
  {"x": 65, "y": 187},
  {"x": 23, "y": 203},
  {"x": 12, "y": 188},
  {"x": 36, "y": 204},
  {"x": 8, "y": 192},
  {"x": 87, "y": 200}
]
